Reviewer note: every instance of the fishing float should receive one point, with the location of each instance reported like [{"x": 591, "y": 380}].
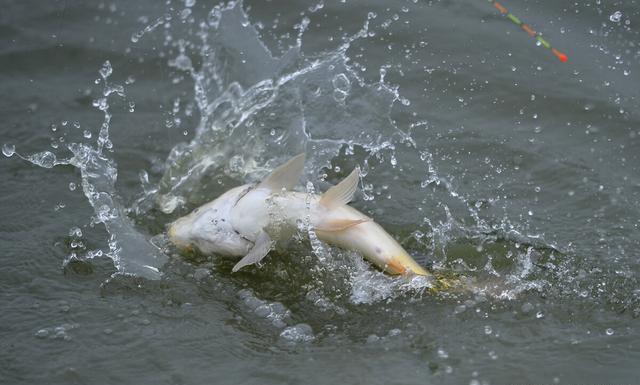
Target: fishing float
[{"x": 525, "y": 27}]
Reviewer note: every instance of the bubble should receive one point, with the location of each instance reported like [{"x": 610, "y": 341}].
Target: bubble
[
  {"x": 459, "y": 309},
  {"x": 8, "y": 150},
  {"x": 526, "y": 307},
  {"x": 341, "y": 82},
  {"x": 488, "y": 330},
  {"x": 298, "y": 333},
  {"x": 394, "y": 332},
  {"x": 609, "y": 331},
  {"x": 72, "y": 186},
  {"x": 189, "y": 3},
  {"x": 372, "y": 338},
  {"x": 42, "y": 333},
  {"x": 87, "y": 134}
]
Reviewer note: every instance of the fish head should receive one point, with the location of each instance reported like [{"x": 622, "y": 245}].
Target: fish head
[{"x": 208, "y": 228}]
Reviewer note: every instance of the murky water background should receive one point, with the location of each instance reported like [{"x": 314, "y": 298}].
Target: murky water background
[{"x": 482, "y": 153}]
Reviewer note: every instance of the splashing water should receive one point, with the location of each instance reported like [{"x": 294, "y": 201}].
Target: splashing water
[
  {"x": 128, "y": 248},
  {"x": 256, "y": 111}
]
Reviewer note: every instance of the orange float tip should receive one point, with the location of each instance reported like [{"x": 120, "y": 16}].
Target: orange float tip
[{"x": 563, "y": 58}]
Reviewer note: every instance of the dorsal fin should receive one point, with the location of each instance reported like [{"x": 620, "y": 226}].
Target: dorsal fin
[
  {"x": 286, "y": 175},
  {"x": 343, "y": 192}
]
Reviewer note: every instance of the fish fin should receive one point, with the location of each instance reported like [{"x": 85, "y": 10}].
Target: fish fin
[
  {"x": 286, "y": 175},
  {"x": 340, "y": 224},
  {"x": 261, "y": 248},
  {"x": 343, "y": 192}
]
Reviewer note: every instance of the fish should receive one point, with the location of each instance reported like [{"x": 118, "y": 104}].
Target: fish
[{"x": 248, "y": 221}]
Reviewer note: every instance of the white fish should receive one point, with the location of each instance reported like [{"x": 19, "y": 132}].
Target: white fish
[{"x": 248, "y": 221}]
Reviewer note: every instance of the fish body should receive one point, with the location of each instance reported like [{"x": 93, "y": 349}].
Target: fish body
[{"x": 249, "y": 220}]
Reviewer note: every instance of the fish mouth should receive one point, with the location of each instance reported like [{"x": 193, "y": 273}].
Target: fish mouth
[
  {"x": 401, "y": 266},
  {"x": 175, "y": 239}
]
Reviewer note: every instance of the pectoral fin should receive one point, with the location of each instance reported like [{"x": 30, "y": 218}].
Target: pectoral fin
[
  {"x": 261, "y": 248},
  {"x": 340, "y": 224}
]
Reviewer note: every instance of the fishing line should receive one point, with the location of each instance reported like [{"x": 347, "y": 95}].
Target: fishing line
[{"x": 525, "y": 27}]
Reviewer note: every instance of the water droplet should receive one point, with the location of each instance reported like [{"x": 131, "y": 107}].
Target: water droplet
[
  {"x": 181, "y": 62},
  {"x": 132, "y": 106},
  {"x": 72, "y": 186},
  {"x": 488, "y": 330},
  {"x": 75, "y": 232},
  {"x": 87, "y": 134},
  {"x": 609, "y": 331},
  {"x": 106, "y": 69},
  {"x": 185, "y": 13},
  {"x": 189, "y": 3},
  {"x": 539, "y": 314},
  {"x": 616, "y": 16},
  {"x": 8, "y": 150}
]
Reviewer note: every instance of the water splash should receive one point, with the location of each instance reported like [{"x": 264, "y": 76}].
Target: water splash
[
  {"x": 257, "y": 110},
  {"x": 128, "y": 248}
]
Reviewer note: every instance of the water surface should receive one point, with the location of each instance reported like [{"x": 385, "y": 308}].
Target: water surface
[{"x": 485, "y": 156}]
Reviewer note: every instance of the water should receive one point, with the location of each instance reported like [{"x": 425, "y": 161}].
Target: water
[{"x": 486, "y": 157}]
